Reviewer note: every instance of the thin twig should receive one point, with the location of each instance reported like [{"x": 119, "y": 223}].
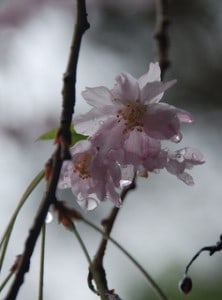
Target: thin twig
[
  {"x": 96, "y": 268},
  {"x": 211, "y": 249},
  {"x": 161, "y": 34},
  {"x": 6, "y": 235},
  {"x": 63, "y": 140},
  {"x": 82, "y": 244}
]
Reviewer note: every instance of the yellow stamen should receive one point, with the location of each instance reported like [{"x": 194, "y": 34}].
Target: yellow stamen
[{"x": 132, "y": 114}]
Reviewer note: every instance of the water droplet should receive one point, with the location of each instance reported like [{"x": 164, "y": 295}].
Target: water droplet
[
  {"x": 124, "y": 183},
  {"x": 48, "y": 218},
  {"x": 176, "y": 138}
]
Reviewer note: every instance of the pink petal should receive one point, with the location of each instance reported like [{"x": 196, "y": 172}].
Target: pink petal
[
  {"x": 161, "y": 122},
  {"x": 140, "y": 144},
  {"x": 156, "y": 161},
  {"x": 186, "y": 178},
  {"x": 113, "y": 195},
  {"x": 90, "y": 122},
  {"x": 153, "y": 74},
  {"x": 193, "y": 155},
  {"x": 153, "y": 91},
  {"x": 66, "y": 171},
  {"x": 126, "y": 88},
  {"x": 98, "y": 96},
  {"x": 88, "y": 203},
  {"x": 184, "y": 116},
  {"x": 110, "y": 131}
]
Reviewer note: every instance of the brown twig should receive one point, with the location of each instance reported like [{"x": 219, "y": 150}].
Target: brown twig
[
  {"x": 161, "y": 34},
  {"x": 97, "y": 271},
  {"x": 62, "y": 151}
]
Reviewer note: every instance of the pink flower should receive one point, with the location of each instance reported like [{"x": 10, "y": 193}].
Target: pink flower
[
  {"x": 133, "y": 105},
  {"x": 126, "y": 126},
  {"x": 130, "y": 120},
  {"x": 181, "y": 160},
  {"x": 92, "y": 176}
]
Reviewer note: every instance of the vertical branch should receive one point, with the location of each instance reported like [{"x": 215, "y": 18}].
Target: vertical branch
[
  {"x": 63, "y": 142},
  {"x": 161, "y": 34},
  {"x": 96, "y": 269}
]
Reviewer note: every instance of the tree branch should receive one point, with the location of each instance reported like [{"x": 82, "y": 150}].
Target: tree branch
[
  {"x": 161, "y": 34},
  {"x": 62, "y": 152},
  {"x": 97, "y": 271}
]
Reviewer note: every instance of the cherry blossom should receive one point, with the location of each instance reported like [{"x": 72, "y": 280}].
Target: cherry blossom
[
  {"x": 126, "y": 127},
  {"x": 92, "y": 176},
  {"x": 134, "y": 105}
]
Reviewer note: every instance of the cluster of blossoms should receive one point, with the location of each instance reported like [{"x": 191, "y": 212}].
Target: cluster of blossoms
[{"x": 126, "y": 127}]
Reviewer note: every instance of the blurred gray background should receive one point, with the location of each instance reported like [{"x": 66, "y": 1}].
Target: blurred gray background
[{"x": 164, "y": 222}]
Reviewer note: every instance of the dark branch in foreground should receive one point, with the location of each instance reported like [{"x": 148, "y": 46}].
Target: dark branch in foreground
[
  {"x": 62, "y": 151},
  {"x": 161, "y": 34},
  {"x": 97, "y": 271}
]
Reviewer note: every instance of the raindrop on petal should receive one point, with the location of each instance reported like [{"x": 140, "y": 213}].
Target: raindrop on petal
[{"x": 176, "y": 138}]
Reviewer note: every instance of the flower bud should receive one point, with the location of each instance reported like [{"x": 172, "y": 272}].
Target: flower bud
[{"x": 185, "y": 284}]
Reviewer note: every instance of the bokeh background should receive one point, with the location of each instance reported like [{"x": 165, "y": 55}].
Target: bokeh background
[{"x": 164, "y": 222}]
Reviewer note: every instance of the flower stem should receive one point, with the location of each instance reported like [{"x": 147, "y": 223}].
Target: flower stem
[
  {"x": 82, "y": 244},
  {"x": 5, "y": 281},
  {"x": 42, "y": 263},
  {"x": 151, "y": 281},
  {"x": 6, "y": 235}
]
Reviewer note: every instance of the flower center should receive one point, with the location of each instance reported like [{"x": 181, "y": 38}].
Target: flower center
[
  {"x": 132, "y": 114},
  {"x": 81, "y": 165}
]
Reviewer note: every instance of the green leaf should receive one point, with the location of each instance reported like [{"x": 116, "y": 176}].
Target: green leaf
[
  {"x": 76, "y": 137},
  {"x": 51, "y": 134}
]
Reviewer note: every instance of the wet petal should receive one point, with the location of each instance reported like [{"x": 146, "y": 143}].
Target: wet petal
[{"x": 161, "y": 122}]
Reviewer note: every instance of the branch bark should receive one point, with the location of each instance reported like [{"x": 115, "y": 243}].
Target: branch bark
[
  {"x": 161, "y": 34},
  {"x": 97, "y": 270},
  {"x": 61, "y": 153}
]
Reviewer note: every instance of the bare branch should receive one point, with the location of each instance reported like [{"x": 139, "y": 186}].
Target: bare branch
[
  {"x": 161, "y": 34},
  {"x": 62, "y": 151},
  {"x": 97, "y": 271}
]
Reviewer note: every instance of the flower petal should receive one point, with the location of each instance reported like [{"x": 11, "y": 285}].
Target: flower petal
[
  {"x": 90, "y": 122},
  {"x": 184, "y": 116},
  {"x": 98, "y": 96},
  {"x": 153, "y": 74},
  {"x": 88, "y": 203},
  {"x": 126, "y": 88},
  {"x": 153, "y": 91},
  {"x": 161, "y": 121}
]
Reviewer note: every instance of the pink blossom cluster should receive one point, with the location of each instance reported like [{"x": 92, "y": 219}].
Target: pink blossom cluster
[{"x": 126, "y": 127}]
